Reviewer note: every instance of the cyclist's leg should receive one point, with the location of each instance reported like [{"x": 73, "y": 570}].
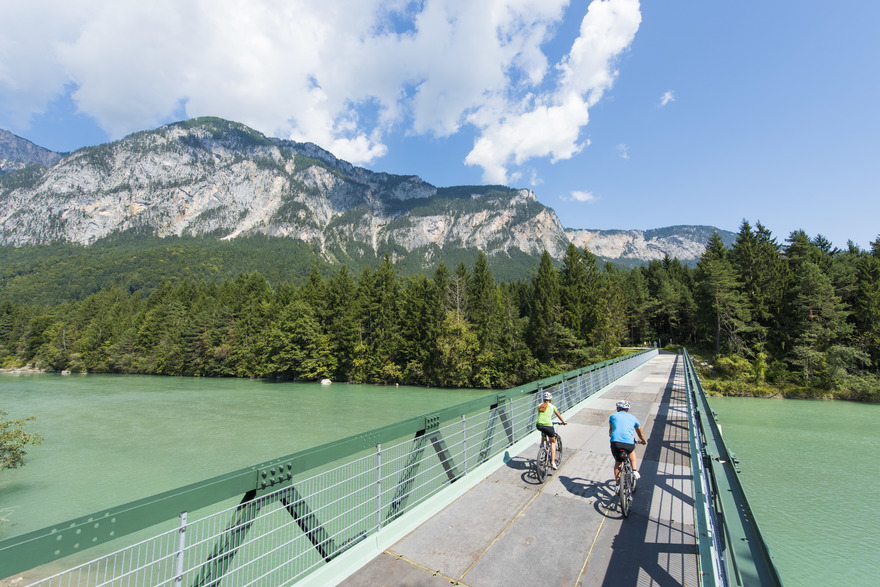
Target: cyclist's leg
[{"x": 618, "y": 463}]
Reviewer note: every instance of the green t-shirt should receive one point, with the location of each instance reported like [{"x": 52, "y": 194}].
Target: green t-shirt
[{"x": 545, "y": 418}]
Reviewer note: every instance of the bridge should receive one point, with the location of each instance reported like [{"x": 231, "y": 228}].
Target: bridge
[{"x": 446, "y": 498}]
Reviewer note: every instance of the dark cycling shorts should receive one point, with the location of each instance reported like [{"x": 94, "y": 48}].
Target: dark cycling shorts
[
  {"x": 548, "y": 430},
  {"x": 616, "y": 447}
]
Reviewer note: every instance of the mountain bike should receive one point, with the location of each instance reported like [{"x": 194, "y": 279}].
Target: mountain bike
[
  {"x": 627, "y": 484},
  {"x": 542, "y": 463}
]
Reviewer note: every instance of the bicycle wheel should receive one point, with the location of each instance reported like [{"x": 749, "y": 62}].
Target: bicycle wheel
[
  {"x": 541, "y": 464},
  {"x": 558, "y": 450},
  {"x": 625, "y": 491}
]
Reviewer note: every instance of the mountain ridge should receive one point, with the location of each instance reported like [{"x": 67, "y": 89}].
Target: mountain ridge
[{"x": 208, "y": 177}]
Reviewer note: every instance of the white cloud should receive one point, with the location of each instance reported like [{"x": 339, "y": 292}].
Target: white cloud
[
  {"x": 579, "y": 196},
  {"x": 667, "y": 97},
  {"x": 334, "y": 73},
  {"x": 623, "y": 151}
]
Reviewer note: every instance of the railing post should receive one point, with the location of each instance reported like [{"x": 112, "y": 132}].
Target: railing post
[
  {"x": 464, "y": 443},
  {"x": 181, "y": 545},
  {"x": 378, "y": 486}
]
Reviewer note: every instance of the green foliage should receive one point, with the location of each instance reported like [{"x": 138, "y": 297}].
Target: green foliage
[
  {"x": 13, "y": 440},
  {"x": 799, "y": 321},
  {"x": 25, "y": 178}
]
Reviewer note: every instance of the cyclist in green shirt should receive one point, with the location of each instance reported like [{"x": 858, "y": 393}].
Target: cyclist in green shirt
[{"x": 546, "y": 411}]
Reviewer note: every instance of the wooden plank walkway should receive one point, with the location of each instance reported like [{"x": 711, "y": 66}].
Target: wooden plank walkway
[{"x": 510, "y": 530}]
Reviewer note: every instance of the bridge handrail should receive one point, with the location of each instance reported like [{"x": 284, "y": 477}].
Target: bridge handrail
[
  {"x": 501, "y": 418},
  {"x": 732, "y": 549}
]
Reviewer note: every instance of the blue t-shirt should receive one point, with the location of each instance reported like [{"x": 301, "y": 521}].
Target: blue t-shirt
[{"x": 623, "y": 427}]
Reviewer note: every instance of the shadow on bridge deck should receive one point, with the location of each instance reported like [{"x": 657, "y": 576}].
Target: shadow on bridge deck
[{"x": 512, "y": 530}]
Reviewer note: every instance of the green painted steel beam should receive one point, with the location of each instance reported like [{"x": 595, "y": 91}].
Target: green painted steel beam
[
  {"x": 308, "y": 522},
  {"x": 229, "y": 542}
]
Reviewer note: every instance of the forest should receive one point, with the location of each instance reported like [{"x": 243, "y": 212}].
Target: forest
[{"x": 796, "y": 319}]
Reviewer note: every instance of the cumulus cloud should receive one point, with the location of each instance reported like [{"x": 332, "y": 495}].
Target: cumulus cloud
[
  {"x": 343, "y": 74},
  {"x": 623, "y": 151},
  {"x": 579, "y": 196},
  {"x": 667, "y": 97}
]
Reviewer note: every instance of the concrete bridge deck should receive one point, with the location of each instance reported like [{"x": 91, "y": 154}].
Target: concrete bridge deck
[{"x": 512, "y": 530}]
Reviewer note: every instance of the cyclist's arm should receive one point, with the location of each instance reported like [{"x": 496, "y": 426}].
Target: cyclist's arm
[
  {"x": 641, "y": 436},
  {"x": 561, "y": 419}
]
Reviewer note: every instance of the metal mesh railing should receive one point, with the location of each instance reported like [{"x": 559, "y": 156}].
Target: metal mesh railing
[{"x": 313, "y": 506}]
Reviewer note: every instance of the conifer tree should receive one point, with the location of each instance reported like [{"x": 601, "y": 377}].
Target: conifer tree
[
  {"x": 418, "y": 328},
  {"x": 340, "y": 322},
  {"x": 485, "y": 315},
  {"x": 544, "y": 333},
  {"x": 719, "y": 296},
  {"x": 867, "y": 304}
]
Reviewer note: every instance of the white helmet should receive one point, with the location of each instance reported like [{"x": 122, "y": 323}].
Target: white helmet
[
  {"x": 623, "y": 405},
  {"x": 547, "y": 396}
]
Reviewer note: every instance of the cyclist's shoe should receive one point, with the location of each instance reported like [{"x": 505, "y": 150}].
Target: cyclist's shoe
[
  {"x": 553, "y": 466},
  {"x": 636, "y": 475}
]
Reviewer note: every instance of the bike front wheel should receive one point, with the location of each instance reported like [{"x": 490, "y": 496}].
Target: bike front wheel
[
  {"x": 625, "y": 491},
  {"x": 541, "y": 464},
  {"x": 558, "y": 450}
]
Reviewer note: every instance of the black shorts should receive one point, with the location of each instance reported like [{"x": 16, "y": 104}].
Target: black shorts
[
  {"x": 548, "y": 430},
  {"x": 616, "y": 447}
]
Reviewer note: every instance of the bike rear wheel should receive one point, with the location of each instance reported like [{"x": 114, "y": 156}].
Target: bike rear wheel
[{"x": 558, "y": 450}]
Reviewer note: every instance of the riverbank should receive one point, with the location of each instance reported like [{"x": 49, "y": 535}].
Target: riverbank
[{"x": 724, "y": 377}]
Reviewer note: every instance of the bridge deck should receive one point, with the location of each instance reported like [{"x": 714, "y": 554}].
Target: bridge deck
[{"x": 511, "y": 530}]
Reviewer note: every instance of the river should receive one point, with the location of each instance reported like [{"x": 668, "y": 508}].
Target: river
[
  {"x": 112, "y": 439},
  {"x": 811, "y": 474},
  {"x": 808, "y": 467}
]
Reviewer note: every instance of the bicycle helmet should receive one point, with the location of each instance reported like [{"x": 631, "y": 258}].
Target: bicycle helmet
[
  {"x": 547, "y": 396},
  {"x": 623, "y": 405}
]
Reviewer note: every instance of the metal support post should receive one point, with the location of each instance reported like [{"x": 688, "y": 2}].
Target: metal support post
[
  {"x": 464, "y": 443},
  {"x": 378, "y": 486},
  {"x": 181, "y": 546}
]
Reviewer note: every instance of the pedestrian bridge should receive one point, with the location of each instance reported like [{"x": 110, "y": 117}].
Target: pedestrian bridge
[{"x": 445, "y": 498}]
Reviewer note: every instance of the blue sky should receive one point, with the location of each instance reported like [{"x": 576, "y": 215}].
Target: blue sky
[{"x": 618, "y": 114}]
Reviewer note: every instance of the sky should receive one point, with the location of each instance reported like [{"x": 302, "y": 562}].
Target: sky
[{"x": 618, "y": 114}]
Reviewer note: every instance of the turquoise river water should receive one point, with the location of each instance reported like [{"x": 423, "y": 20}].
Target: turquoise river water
[
  {"x": 811, "y": 471},
  {"x": 809, "y": 467},
  {"x": 113, "y": 439}
]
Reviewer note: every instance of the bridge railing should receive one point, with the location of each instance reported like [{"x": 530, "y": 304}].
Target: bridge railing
[
  {"x": 732, "y": 550},
  {"x": 279, "y": 521}
]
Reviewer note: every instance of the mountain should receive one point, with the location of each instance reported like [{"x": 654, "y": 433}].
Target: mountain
[
  {"x": 635, "y": 247},
  {"x": 17, "y": 153},
  {"x": 216, "y": 179}
]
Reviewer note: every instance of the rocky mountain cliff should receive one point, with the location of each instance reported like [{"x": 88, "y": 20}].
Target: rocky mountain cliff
[
  {"x": 213, "y": 178},
  {"x": 17, "y": 153}
]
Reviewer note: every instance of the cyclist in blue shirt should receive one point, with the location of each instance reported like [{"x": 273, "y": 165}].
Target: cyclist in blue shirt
[{"x": 622, "y": 428}]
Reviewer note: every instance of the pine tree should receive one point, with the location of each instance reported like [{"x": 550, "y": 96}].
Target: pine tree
[
  {"x": 719, "y": 298},
  {"x": 544, "y": 333},
  {"x": 418, "y": 328},
  {"x": 867, "y": 304},
  {"x": 340, "y": 322},
  {"x": 822, "y": 320}
]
